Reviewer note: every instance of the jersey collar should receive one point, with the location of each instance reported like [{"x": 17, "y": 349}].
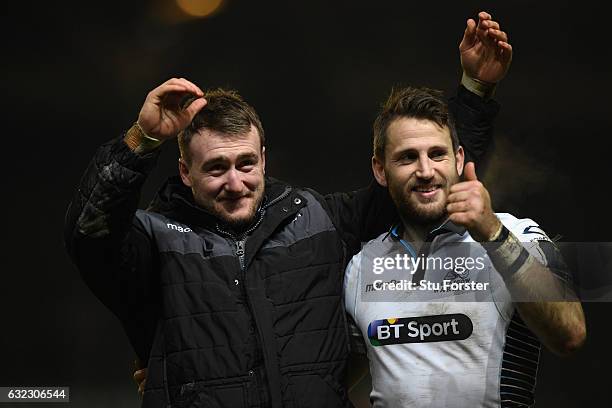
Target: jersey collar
[{"x": 447, "y": 226}]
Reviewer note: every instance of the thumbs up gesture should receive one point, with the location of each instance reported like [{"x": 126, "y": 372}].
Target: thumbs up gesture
[{"x": 469, "y": 205}]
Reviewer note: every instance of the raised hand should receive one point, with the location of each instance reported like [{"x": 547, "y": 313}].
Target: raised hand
[
  {"x": 163, "y": 115},
  {"x": 469, "y": 204},
  {"x": 485, "y": 52}
]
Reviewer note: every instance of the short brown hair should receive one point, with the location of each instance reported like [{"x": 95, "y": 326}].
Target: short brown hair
[
  {"x": 409, "y": 102},
  {"x": 225, "y": 112}
]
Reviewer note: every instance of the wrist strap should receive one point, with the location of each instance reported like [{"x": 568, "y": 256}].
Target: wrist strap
[
  {"x": 498, "y": 238},
  {"x": 144, "y": 134},
  {"x": 481, "y": 88},
  {"x": 507, "y": 254},
  {"x": 139, "y": 141}
]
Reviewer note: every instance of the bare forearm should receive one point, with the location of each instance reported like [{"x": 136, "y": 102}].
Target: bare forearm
[
  {"x": 546, "y": 301},
  {"x": 559, "y": 325}
]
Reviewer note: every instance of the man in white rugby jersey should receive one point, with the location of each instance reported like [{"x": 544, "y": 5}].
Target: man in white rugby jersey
[{"x": 451, "y": 305}]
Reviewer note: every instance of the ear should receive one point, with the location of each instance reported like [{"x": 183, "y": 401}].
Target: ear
[
  {"x": 184, "y": 172},
  {"x": 378, "y": 169},
  {"x": 263, "y": 159},
  {"x": 459, "y": 160}
]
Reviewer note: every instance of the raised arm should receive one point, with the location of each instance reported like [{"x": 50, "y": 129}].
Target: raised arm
[
  {"x": 106, "y": 241},
  {"x": 485, "y": 57},
  {"x": 541, "y": 288}
]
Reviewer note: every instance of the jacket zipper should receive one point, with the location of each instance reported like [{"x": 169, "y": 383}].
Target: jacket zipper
[
  {"x": 240, "y": 252},
  {"x": 240, "y": 241},
  {"x": 240, "y": 245}
]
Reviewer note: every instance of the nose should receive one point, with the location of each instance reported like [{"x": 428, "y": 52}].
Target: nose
[
  {"x": 425, "y": 168},
  {"x": 233, "y": 183}
]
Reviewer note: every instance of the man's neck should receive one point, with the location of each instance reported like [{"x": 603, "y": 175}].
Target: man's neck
[{"x": 417, "y": 233}]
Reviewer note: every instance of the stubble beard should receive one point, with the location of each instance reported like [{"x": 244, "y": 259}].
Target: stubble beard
[
  {"x": 236, "y": 225},
  {"x": 412, "y": 212},
  {"x": 241, "y": 224},
  {"x": 431, "y": 212}
]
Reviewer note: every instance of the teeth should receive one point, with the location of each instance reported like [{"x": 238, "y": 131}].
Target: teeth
[{"x": 425, "y": 189}]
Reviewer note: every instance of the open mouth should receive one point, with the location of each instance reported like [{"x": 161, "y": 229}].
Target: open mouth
[{"x": 427, "y": 191}]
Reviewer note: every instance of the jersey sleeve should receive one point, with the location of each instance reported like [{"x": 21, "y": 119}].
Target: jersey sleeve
[
  {"x": 351, "y": 299},
  {"x": 538, "y": 244}
]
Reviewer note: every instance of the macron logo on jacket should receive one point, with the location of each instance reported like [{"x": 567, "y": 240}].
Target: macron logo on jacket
[{"x": 178, "y": 228}]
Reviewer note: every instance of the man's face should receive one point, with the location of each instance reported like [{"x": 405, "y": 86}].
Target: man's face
[
  {"x": 419, "y": 168},
  {"x": 226, "y": 174}
]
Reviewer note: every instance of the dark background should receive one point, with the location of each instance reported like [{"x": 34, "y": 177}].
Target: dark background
[{"x": 75, "y": 74}]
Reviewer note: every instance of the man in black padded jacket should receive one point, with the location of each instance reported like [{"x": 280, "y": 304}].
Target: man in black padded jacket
[{"x": 230, "y": 284}]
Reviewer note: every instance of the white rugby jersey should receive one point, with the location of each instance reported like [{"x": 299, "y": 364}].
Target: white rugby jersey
[{"x": 443, "y": 348}]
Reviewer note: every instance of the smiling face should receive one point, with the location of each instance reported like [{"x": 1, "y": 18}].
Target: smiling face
[
  {"x": 226, "y": 174},
  {"x": 419, "y": 167}
]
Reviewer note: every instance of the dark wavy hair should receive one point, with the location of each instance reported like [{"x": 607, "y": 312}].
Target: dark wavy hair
[
  {"x": 225, "y": 112},
  {"x": 409, "y": 102}
]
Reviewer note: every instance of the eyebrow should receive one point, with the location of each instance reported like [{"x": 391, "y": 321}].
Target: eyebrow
[
  {"x": 415, "y": 150},
  {"x": 224, "y": 159}
]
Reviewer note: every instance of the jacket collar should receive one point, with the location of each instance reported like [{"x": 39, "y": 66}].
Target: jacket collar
[{"x": 175, "y": 200}]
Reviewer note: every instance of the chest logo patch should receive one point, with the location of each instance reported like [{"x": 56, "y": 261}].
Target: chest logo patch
[{"x": 422, "y": 329}]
